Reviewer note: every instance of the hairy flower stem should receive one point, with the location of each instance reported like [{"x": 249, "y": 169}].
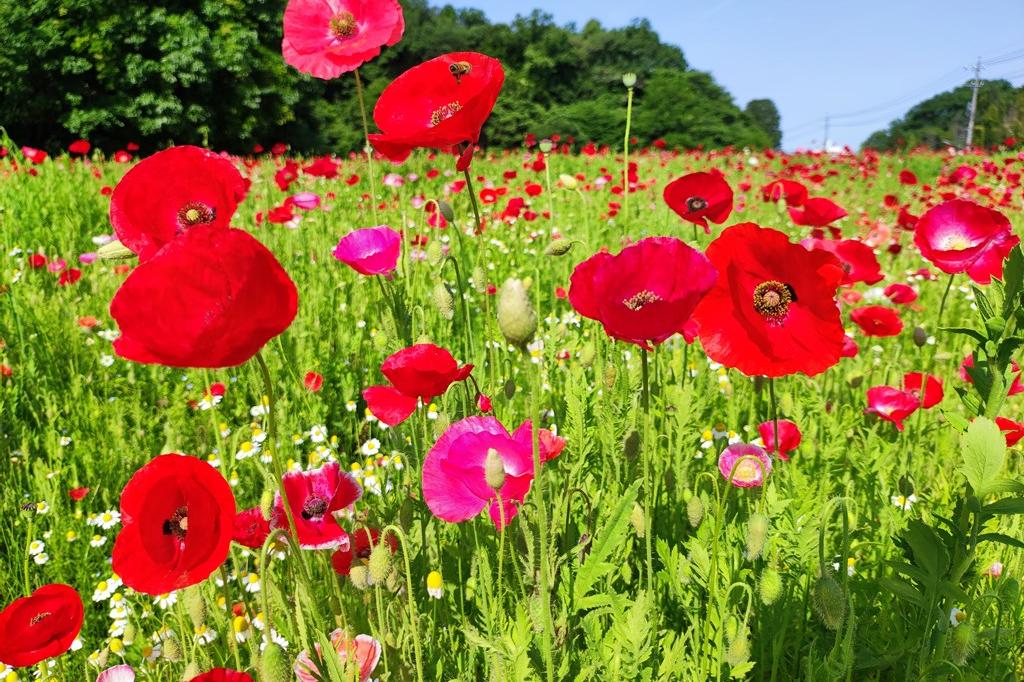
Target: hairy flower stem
[
  {"x": 775, "y": 415},
  {"x": 232, "y": 642},
  {"x": 472, "y": 200},
  {"x": 369, "y": 148},
  {"x": 410, "y": 595},
  {"x": 542, "y": 526},
  {"x": 648, "y": 483},
  {"x": 625, "y": 156}
]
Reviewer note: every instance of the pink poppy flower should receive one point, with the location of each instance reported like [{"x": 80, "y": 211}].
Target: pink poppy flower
[
  {"x": 962, "y": 236},
  {"x": 119, "y": 673},
  {"x": 891, "y": 404},
  {"x": 370, "y": 250},
  {"x": 932, "y": 393},
  {"x": 789, "y": 437},
  {"x": 740, "y": 462},
  {"x": 307, "y": 201},
  {"x": 314, "y": 496},
  {"x": 361, "y": 653},
  {"x": 455, "y": 471},
  {"x": 326, "y": 38}
]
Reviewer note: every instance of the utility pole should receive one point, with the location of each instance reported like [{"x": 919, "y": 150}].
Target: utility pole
[
  {"x": 974, "y": 103},
  {"x": 824, "y": 140}
]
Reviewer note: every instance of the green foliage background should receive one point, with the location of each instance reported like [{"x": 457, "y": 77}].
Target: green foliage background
[{"x": 210, "y": 72}]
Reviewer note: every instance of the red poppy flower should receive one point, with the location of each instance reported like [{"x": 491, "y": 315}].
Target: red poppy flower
[
  {"x": 699, "y": 197},
  {"x": 789, "y": 436},
  {"x": 40, "y": 626},
  {"x": 961, "y": 236},
  {"x": 69, "y": 277},
  {"x": 313, "y": 382},
  {"x": 177, "y": 516},
  {"x": 907, "y": 177},
  {"x": 222, "y": 675},
  {"x": 876, "y": 320},
  {"x": 36, "y": 156},
  {"x": 817, "y": 212},
  {"x": 440, "y": 103},
  {"x": 891, "y": 404},
  {"x": 932, "y": 394},
  {"x": 326, "y": 38},
  {"x": 858, "y": 260},
  {"x": 901, "y": 294},
  {"x": 388, "y": 404},
  {"x": 250, "y": 529},
  {"x": 171, "y": 192},
  {"x": 78, "y": 494},
  {"x": 1016, "y": 386},
  {"x": 80, "y": 147},
  {"x": 1013, "y": 431},
  {"x": 646, "y": 293},
  {"x": 212, "y": 298},
  {"x": 314, "y": 496},
  {"x": 423, "y": 370},
  {"x": 773, "y": 311},
  {"x": 363, "y": 542},
  {"x": 792, "y": 191}
]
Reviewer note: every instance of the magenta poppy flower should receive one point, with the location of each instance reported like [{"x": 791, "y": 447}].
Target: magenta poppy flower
[
  {"x": 747, "y": 465},
  {"x": 455, "y": 485},
  {"x": 363, "y": 652},
  {"x": 789, "y": 436},
  {"x": 646, "y": 293},
  {"x": 370, "y": 250},
  {"x": 700, "y": 197},
  {"x": 119, "y": 673},
  {"x": 326, "y": 38},
  {"x": 931, "y": 395},
  {"x": 876, "y": 320},
  {"x": 314, "y": 496},
  {"x": 962, "y": 236},
  {"x": 891, "y": 404}
]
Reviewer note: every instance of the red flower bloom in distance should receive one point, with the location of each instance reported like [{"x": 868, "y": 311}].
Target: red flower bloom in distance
[{"x": 699, "y": 197}]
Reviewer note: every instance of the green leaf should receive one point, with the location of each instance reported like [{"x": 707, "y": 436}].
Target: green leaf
[
  {"x": 966, "y": 331},
  {"x": 1004, "y": 539},
  {"x": 1013, "y": 281},
  {"x": 956, "y": 420},
  {"x": 1007, "y": 505},
  {"x": 606, "y": 540},
  {"x": 984, "y": 450},
  {"x": 902, "y": 589},
  {"x": 984, "y": 306},
  {"x": 929, "y": 553}
]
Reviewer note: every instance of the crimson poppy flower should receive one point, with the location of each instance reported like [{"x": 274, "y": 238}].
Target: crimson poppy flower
[
  {"x": 313, "y": 497},
  {"x": 172, "y": 192},
  {"x": 313, "y": 382},
  {"x": 177, "y": 516},
  {"x": 250, "y": 528},
  {"x": 792, "y": 191},
  {"x": 932, "y": 393},
  {"x": 1016, "y": 386},
  {"x": 78, "y": 494},
  {"x": 699, "y": 197},
  {"x": 362, "y": 543},
  {"x": 876, "y": 320},
  {"x": 1013, "y": 431},
  {"x": 326, "y": 38},
  {"x": 422, "y": 371},
  {"x": 907, "y": 177},
  {"x": 891, "y": 404},
  {"x": 370, "y": 250},
  {"x": 440, "y": 103},
  {"x": 40, "y": 626},
  {"x": 212, "y": 298},
  {"x": 817, "y": 212},
  {"x": 646, "y": 293},
  {"x": 388, "y": 404},
  {"x": 789, "y": 436},
  {"x": 36, "y": 156},
  {"x": 222, "y": 675},
  {"x": 962, "y": 236},
  {"x": 858, "y": 260},
  {"x": 81, "y": 147},
  {"x": 901, "y": 294},
  {"x": 773, "y": 310}
]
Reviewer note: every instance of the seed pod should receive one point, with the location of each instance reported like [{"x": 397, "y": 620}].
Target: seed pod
[
  {"x": 443, "y": 300},
  {"x": 359, "y": 576},
  {"x": 380, "y": 563},
  {"x": 757, "y": 531},
  {"x": 631, "y": 446},
  {"x": 639, "y": 521},
  {"x": 171, "y": 650},
  {"x": 770, "y": 586},
  {"x": 962, "y": 643},
  {"x": 609, "y": 376},
  {"x": 509, "y": 389},
  {"x": 559, "y": 247},
  {"x": 274, "y": 665},
  {"x": 587, "y": 354},
  {"x": 920, "y": 336},
  {"x": 695, "y": 510},
  {"x": 829, "y": 601},
  {"x": 546, "y": 145},
  {"x": 629, "y": 79},
  {"x": 196, "y": 605},
  {"x": 517, "y": 319},
  {"x": 494, "y": 470}
]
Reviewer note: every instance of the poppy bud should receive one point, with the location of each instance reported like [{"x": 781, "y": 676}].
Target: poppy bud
[
  {"x": 609, "y": 377},
  {"x": 443, "y": 300},
  {"x": 440, "y": 425},
  {"x": 435, "y": 253},
  {"x": 631, "y": 446},
  {"x": 854, "y": 379},
  {"x": 545, "y": 145},
  {"x": 770, "y": 586},
  {"x": 171, "y": 651},
  {"x": 509, "y": 389},
  {"x": 129, "y": 634},
  {"x": 517, "y": 319},
  {"x": 695, "y": 510},
  {"x": 393, "y": 582},
  {"x": 494, "y": 470},
  {"x": 379, "y": 564},
  {"x": 738, "y": 652},
  {"x": 114, "y": 250},
  {"x": 637, "y": 518},
  {"x": 479, "y": 279},
  {"x": 274, "y": 665},
  {"x": 101, "y": 660},
  {"x": 380, "y": 341},
  {"x": 446, "y": 210},
  {"x": 629, "y": 79},
  {"x": 829, "y": 601},
  {"x": 568, "y": 181},
  {"x": 757, "y": 531},
  {"x": 196, "y": 605},
  {"x": 483, "y": 403},
  {"x": 920, "y": 336},
  {"x": 424, "y": 338},
  {"x": 962, "y": 643},
  {"x": 559, "y": 247},
  {"x": 587, "y": 354},
  {"x": 359, "y": 575},
  {"x": 267, "y": 502}
]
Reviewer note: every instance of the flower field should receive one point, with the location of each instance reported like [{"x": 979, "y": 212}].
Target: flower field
[{"x": 559, "y": 412}]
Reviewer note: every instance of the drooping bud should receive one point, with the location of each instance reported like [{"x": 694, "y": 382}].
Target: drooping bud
[
  {"x": 639, "y": 520},
  {"x": 191, "y": 670},
  {"x": 172, "y": 649},
  {"x": 629, "y": 79},
  {"x": 267, "y": 501},
  {"x": 517, "y": 319},
  {"x": 274, "y": 665},
  {"x": 443, "y": 300},
  {"x": 359, "y": 576},
  {"x": 920, "y": 336},
  {"x": 695, "y": 510},
  {"x": 631, "y": 446},
  {"x": 509, "y": 389},
  {"x": 829, "y": 601},
  {"x": 435, "y": 252},
  {"x": 587, "y": 354},
  {"x": 610, "y": 373},
  {"x": 380, "y": 340},
  {"x": 441, "y": 425},
  {"x": 770, "y": 585},
  {"x": 483, "y": 403},
  {"x": 129, "y": 634},
  {"x": 757, "y": 531},
  {"x": 114, "y": 250},
  {"x": 196, "y": 605},
  {"x": 379, "y": 564},
  {"x": 494, "y": 470},
  {"x": 962, "y": 643},
  {"x": 446, "y": 210},
  {"x": 738, "y": 652},
  {"x": 393, "y": 583},
  {"x": 568, "y": 181},
  {"x": 479, "y": 278},
  {"x": 559, "y": 247}
]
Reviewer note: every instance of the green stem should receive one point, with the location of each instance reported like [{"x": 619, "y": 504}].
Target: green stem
[
  {"x": 410, "y": 596},
  {"x": 625, "y": 155},
  {"x": 775, "y": 414},
  {"x": 232, "y": 642},
  {"x": 542, "y": 523},
  {"x": 648, "y": 482},
  {"x": 368, "y": 149},
  {"x": 472, "y": 199}
]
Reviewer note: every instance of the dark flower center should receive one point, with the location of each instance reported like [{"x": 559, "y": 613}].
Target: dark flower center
[
  {"x": 772, "y": 299},
  {"x": 343, "y": 25},
  {"x": 696, "y": 204},
  {"x": 443, "y": 113},
  {"x": 195, "y": 213},
  {"x": 177, "y": 525},
  {"x": 314, "y": 508},
  {"x": 640, "y": 299},
  {"x": 39, "y": 617}
]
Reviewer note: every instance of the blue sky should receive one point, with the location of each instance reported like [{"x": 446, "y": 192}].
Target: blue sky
[{"x": 864, "y": 62}]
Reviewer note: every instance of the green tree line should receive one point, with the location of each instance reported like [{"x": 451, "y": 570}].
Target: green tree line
[{"x": 210, "y": 72}]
